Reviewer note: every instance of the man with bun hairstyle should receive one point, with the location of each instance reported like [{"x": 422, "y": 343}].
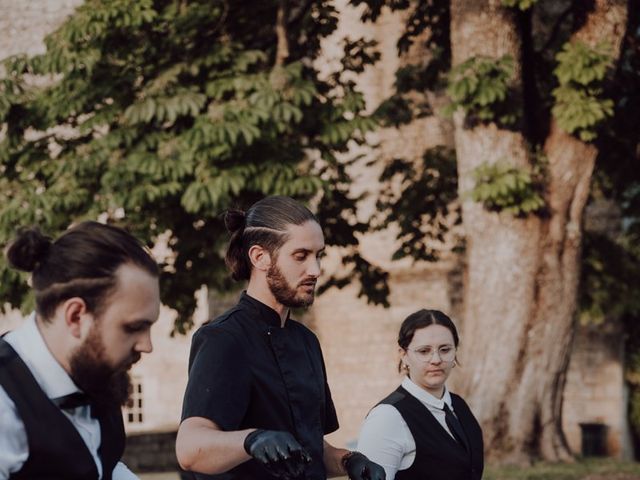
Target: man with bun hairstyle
[
  {"x": 64, "y": 371},
  {"x": 257, "y": 404}
]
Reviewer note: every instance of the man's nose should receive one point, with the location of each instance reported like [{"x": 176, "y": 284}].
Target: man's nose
[
  {"x": 144, "y": 344},
  {"x": 314, "y": 269}
]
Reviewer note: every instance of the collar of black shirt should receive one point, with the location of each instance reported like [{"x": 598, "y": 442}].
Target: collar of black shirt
[{"x": 264, "y": 312}]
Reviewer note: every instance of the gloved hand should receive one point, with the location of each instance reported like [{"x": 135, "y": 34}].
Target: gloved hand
[
  {"x": 278, "y": 452},
  {"x": 359, "y": 467}
]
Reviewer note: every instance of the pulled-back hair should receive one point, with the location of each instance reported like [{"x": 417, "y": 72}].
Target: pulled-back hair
[
  {"x": 264, "y": 224},
  {"x": 82, "y": 262},
  {"x": 420, "y": 319}
]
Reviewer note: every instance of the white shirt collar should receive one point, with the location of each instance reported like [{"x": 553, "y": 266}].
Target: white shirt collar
[
  {"x": 27, "y": 341},
  {"x": 425, "y": 397}
]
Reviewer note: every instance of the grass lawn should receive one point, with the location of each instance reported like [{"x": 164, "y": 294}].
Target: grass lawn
[{"x": 590, "y": 469}]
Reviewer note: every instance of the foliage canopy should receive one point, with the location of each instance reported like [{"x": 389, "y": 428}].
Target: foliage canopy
[{"x": 157, "y": 115}]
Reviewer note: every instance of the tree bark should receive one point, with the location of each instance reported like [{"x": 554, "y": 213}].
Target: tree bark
[{"x": 522, "y": 279}]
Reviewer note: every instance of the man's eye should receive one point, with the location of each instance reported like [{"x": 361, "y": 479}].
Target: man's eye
[
  {"x": 299, "y": 258},
  {"x": 134, "y": 328}
]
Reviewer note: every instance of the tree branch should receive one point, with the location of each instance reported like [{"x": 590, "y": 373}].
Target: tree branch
[
  {"x": 282, "y": 51},
  {"x": 604, "y": 23}
]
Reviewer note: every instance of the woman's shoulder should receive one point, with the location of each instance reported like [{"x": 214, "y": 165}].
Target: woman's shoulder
[
  {"x": 384, "y": 415},
  {"x": 383, "y": 425},
  {"x": 458, "y": 402},
  {"x": 384, "y": 409},
  {"x": 394, "y": 397},
  {"x": 384, "y": 431}
]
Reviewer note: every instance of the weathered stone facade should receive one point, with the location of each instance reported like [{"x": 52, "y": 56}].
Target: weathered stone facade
[
  {"x": 24, "y": 24},
  {"x": 596, "y": 393},
  {"x": 359, "y": 340}
]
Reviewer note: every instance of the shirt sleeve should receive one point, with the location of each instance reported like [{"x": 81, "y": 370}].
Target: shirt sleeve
[
  {"x": 14, "y": 449},
  {"x": 330, "y": 416},
  {"x": 383, "y": 439},
  {"x": 122, "y": 472},
  {"x": 219, "y": 385}
]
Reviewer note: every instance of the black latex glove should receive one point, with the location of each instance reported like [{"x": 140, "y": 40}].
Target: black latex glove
[
  {"x": 278, "y": 452},
  {"x": 359, "y": 467}
]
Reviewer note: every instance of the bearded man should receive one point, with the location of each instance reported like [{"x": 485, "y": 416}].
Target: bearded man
[
  {"x": 64, "y": 371},
  {"x": 257, "y": 404}
]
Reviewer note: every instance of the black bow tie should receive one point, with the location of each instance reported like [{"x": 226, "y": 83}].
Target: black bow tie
[{"x": 74, "y": 400}]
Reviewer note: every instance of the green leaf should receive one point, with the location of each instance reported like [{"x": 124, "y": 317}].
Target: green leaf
[{"x": 480, "y": 86}]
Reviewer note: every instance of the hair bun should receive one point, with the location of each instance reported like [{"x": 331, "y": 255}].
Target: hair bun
[
  {"x": 234, "y": 220},
  {"x": 28, "y": 249}
]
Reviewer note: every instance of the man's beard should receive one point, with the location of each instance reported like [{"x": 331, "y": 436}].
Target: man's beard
[
  {"x": 284, "y": 293},
  {"x": 106, "y": 386}
]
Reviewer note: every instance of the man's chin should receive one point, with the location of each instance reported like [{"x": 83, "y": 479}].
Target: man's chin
[
  {"x": 309, "y": 301},
  {"x": 109, "y": 391},
  {"x": 128, "y": 366},
  {"x": 119, "y": 389},
  {"x": 304, "y": 301}
]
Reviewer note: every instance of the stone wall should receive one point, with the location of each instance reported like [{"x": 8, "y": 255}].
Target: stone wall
[
  {"x": 596, "y": 391},
  {"x": 151, "y": 452},
  {"x": 24, "y": 23},
  {"x": 360, "y": 340}
]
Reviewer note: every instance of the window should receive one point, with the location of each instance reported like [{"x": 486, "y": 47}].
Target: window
[{"x": 134, "y": 409}]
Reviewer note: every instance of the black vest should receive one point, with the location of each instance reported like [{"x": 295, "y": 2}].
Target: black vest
[
  {"x": 56, "y": 449},
  {"x": 438, "y": 455}
]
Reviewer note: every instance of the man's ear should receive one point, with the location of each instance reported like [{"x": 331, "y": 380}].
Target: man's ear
[
  {"x": 260, "y": 258},
  {"x": 74, "y": 310}
]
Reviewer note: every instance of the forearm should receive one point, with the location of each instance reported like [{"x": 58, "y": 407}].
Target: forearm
[
  {"x": 203, "y": 448},
  {"x": 333, "y": 460}
]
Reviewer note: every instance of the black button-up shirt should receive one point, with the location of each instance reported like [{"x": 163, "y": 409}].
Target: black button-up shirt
[{"x": 245, "y": 371}]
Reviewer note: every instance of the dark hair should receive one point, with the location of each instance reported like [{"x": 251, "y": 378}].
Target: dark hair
[
  {"x": 420, "y": 319},
  {"x": 82, "y": 262},
  {"x": 264, "y": 224}
]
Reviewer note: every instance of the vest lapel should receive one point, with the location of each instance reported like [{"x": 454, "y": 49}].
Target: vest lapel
[{"x": 435, "y": 425}]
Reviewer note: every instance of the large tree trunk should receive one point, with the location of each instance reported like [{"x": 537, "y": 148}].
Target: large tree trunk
[{"x": 521, "y": 289}]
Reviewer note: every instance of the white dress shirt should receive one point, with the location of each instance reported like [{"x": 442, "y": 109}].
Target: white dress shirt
[
  {"x": 55, "y": 382},
  {"x": 385, "y": 437}
]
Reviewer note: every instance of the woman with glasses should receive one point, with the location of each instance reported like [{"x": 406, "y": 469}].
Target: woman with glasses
[{"x": 422, "y": 431}]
